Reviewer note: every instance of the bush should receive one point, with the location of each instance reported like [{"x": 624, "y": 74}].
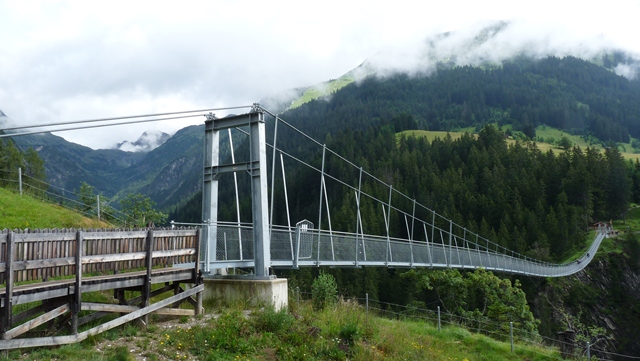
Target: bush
[
  {"x": 324, "y": 291},
  {"x": 269, "y": 320},
  {"x": 350, "y": 333}
]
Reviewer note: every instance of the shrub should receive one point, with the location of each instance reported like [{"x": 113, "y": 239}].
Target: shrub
[
  {"x": 269, "y": 320},
  {"x": 324, "y": 291},
  {"x": 350, "y": 333}
]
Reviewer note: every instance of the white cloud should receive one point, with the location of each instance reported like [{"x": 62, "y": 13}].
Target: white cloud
[{"x": 68, "y": 60}]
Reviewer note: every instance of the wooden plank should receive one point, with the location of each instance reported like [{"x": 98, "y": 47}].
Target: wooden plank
[
  {"x": 184, "y": 277},
  {"x": 46, "y": 306},
  {"x": 77, "y": 294},
  {"x": 174, "y": 232},
  {"x": 29, "y": 325},
  {"x": 92, "y": 317},
  {"x": 62, "y": 340},
  {"x": 40, "y": 296},
  {"x": 154, "y": 293},
  {"x": 114, "y": 235},
  {"x": 37, "y": 249},
  {"x": 146, "y": 289},
  {"x": 8, "y": 296},
  {"x": 103, "y": 258},
  {"x": 43, "y": 263},
  {"x": 113, "y": 308},
  {"x": 39, "y": 237},
  {"x": 196, "y": 271}
]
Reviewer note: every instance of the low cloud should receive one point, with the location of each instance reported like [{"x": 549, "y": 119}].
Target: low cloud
[
  {"x": 147, "y": 142},
  {"x": 490, "y": 44}
]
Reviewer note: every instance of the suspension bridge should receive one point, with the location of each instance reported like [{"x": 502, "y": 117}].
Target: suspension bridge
[
  {"x": 432, "y": 240},
  {"x": 177, "y": 257}
]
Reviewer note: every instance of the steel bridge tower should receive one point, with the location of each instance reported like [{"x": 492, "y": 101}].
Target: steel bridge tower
[{"x": 257, "y": 169}]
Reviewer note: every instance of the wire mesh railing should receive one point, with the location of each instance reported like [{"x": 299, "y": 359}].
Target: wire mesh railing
[{"x": 310, "y": 247}]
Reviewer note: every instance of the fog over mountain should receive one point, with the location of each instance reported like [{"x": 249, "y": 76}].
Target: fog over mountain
[
  {"x": 147, "y": 142},
  {"x": 491, "y": 43},
  {"x": 4, "y": 120}
]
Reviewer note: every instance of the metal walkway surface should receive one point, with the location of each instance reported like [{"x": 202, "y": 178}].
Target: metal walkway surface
[{"x": 307, "y": 247}]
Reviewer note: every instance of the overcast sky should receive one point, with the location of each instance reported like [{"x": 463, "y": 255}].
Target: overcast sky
[{"x": 73, "y": 60}]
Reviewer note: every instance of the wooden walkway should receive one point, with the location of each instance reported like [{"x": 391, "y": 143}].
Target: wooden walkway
[{"x": 135, "y": 265}]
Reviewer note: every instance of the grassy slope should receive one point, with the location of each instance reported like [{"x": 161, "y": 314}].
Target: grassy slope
[
  {"x": 344, "y": 331},
  {"x": 26, "y": 212},
  {"x": 542, "y": 131},
  {"x": 323, "y": 89}
]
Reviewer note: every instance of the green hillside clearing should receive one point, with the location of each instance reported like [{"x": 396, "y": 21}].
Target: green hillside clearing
[
  {"x": 20, "y": 212},
  {"x": 323, "y": 89},
  {"x": 542, "y": 132}
]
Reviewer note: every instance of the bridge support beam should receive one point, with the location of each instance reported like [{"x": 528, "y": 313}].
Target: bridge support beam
[{"x": 256, "y": 167}]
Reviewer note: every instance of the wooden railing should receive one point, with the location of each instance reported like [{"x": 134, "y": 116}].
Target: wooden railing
[
  {"x": 130, "y": 260},
  {"x": 45, "y": 254}
]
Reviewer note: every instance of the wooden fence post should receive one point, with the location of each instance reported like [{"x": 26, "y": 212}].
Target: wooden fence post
[
  {"x": 197, "y": 276},
  {"x": 8, "y": 276},
  {"x": 146, "y": 290},
  {"x": 77, "y": 296}
]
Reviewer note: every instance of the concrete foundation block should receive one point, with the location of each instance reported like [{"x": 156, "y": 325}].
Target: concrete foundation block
[{"x": 247, "y": 291}]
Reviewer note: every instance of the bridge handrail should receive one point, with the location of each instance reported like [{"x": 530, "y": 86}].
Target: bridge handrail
[{"x": 465, "y": 253}]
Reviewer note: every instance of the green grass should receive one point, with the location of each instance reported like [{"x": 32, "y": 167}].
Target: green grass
[
  {"x": 544, "y": 132},
  {"x": 552, "y": 133},
  {"x": 321, "y": 90},
  {"x": 20, "y": 212},
  {"x": 430, "y": 135},
  {"x": 632, "y": 221},
  {"x": 341, "y": 332}
]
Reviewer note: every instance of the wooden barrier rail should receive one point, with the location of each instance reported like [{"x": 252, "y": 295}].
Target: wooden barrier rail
[
  {"x": 129, "y": 260},
  {"x": 47, "y": 254}
]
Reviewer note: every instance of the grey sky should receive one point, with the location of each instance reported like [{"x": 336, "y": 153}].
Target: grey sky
[{"x": 72, "y": 60}]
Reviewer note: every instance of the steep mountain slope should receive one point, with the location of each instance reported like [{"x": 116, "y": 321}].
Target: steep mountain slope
[
  {"x": 166, "y": 174},
  {"x": 169, "y": 171},
  {"x": 68, "y": 164}
]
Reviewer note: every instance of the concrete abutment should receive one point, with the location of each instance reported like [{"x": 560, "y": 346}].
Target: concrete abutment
[{"x": 231, "y": 290}]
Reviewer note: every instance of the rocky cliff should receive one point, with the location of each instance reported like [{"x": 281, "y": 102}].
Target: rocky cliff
[{"x": 601, "y": 304}]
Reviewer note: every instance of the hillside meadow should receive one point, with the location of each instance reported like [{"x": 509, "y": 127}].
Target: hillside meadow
[
  {"x": 22, "y": 212},
  {"x": 541, "y": 132}
]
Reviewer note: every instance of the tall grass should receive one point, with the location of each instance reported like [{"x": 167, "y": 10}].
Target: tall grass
[
  {"x": 20, "y": 212},
  {"x": 343, "y": 331}
]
